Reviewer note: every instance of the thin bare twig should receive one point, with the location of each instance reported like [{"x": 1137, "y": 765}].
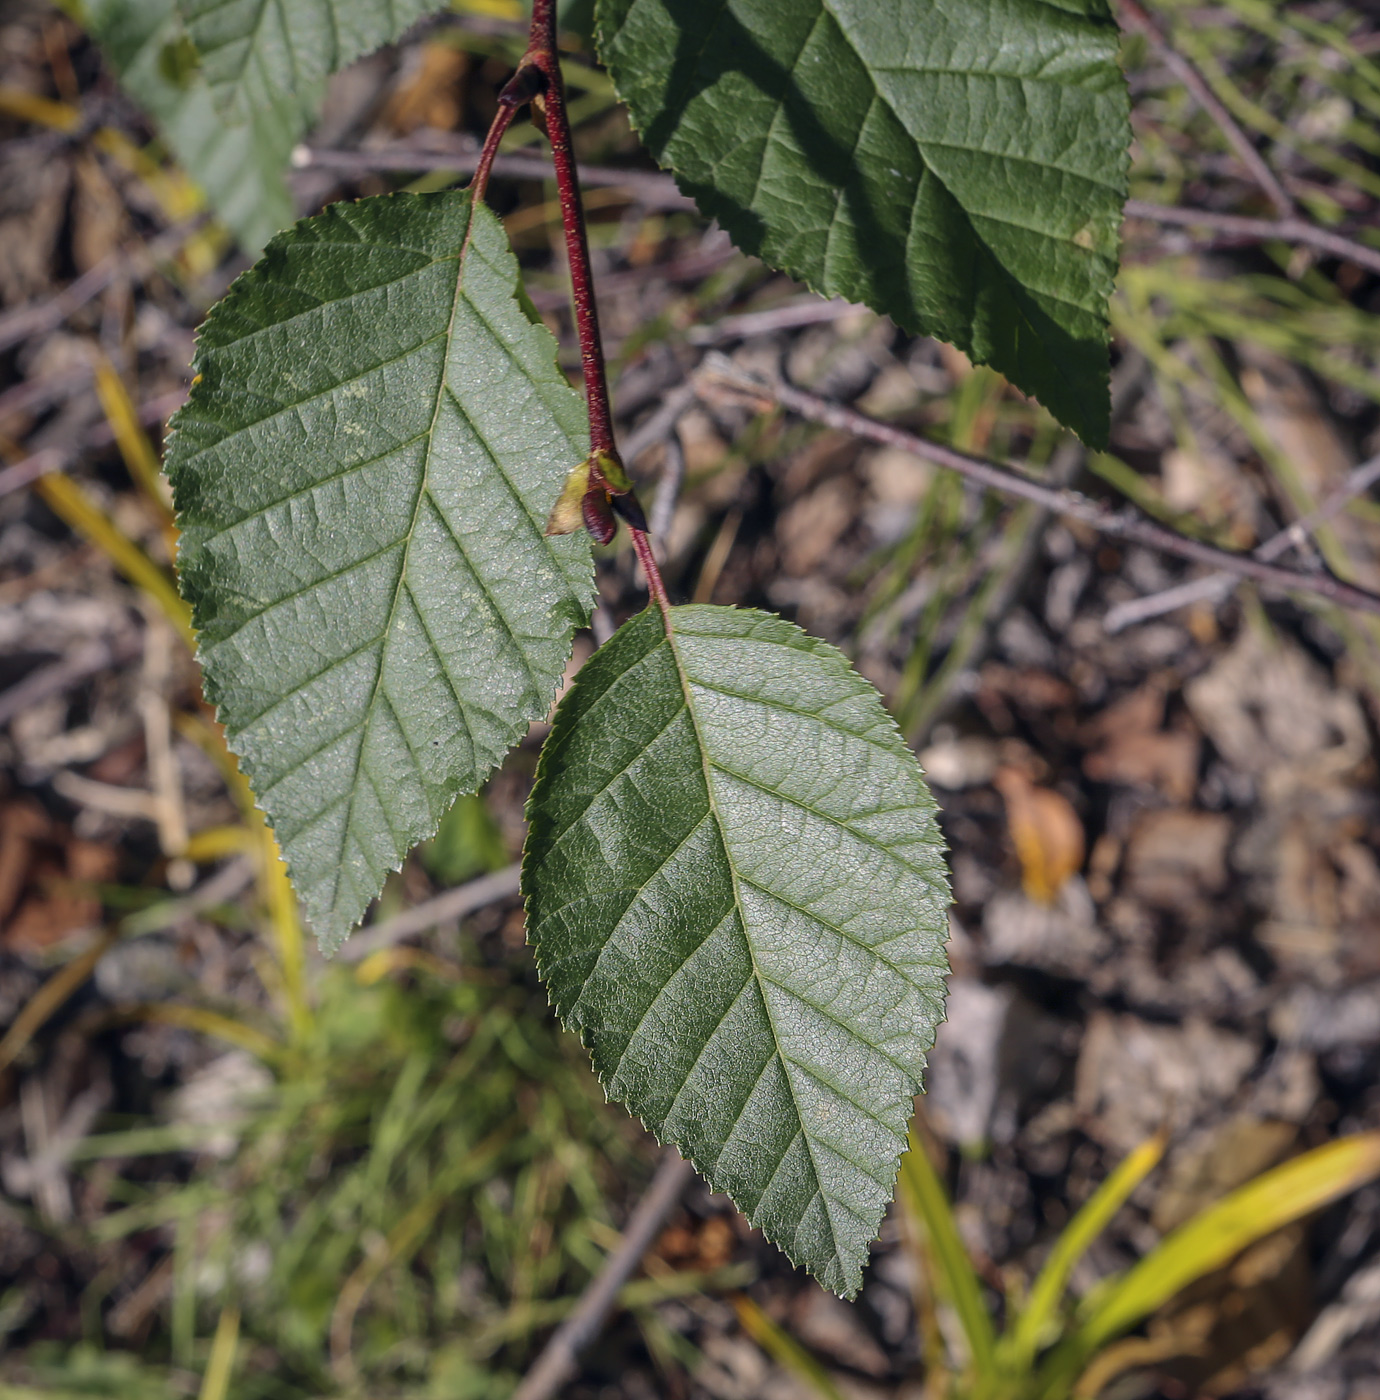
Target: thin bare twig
[
  {"x": 661, "y": 427},
  {"x": 1134, "y": 17},
  {"x": 218, "y": 888},
  {"x": 227, "y": 882},
  {"x": 61, "y": 675},
  {"x": 807, "y": 312},
  {"x": 649, "y": 188},
  {"x": 451, "y": 904},
  {"x": 659, "y": 424},
  {"x": 28, "y": 469},
  {"x": 1216, "y": 586},
  {"x": 56, "y": 458},
  {"x": 46, "y": 315},
  {"x": 1128, "y": 384},
  {"x": 1287, "y": 230},
  {"x": 721, "y": 375},
  {"x": 668, "y": 486},
  {"x": 556, "y": 1364},
  {"x": 692, "y": 268},
  {"x": 30, "y": 395}
]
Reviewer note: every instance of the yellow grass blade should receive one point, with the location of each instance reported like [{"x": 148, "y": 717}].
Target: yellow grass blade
[
  {"x": 78, "y": 510},
  {"x": 132, "y": 440},
  {"x": 221, "y": 1364},
  {"x": 1038, "y": 1323},
  {"x": 1216, "y": 1235},
  {"x": 784, "y": 1349},
  {"x": 41, "y": 111}
]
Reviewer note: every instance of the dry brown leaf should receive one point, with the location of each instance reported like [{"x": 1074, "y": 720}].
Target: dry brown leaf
[
  {"x": 1045, "y": 831},
  {"x": 98, "y": 214},
  {"x": 1135, "y": 1077},
  {"x": 808, "y": 529},
  {"x": 1271, "y": 710},
  {"x": 430, "y": 92},
  {"x": 1292, "y": 414},
  {"x": 704, "y": 1244},
  {"x": 37, "y": 872},
  {"x": 1027, "y": 688},
  {"x": 22, "y": 825}
]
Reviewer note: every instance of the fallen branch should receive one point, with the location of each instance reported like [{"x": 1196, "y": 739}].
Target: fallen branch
[
  {"x": 1216, "y": 586},
  {"x": 1134, "y": 17},
  {"x": 556, "y": 1364},
  {"x": 808, "y": 311},
  {"x": 720, "y": 375},
  {"x": 1287, "y": 230},
  {"x": 452, "y": 904},
  {"x": 51, "y": 459},
  {"x": 47, "y": 315}
]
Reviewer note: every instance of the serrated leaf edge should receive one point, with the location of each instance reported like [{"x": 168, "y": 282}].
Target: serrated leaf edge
[
  {"x": 585, "y": 1034},
  {"x": 332, "y": 942},
  {"x": 730, "y": 215}
]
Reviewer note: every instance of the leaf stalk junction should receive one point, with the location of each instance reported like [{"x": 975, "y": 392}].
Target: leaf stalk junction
[{"x": 607, "y": 491}]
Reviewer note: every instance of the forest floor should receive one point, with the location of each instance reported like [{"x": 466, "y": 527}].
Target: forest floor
[{"x": 393, "y": 1173}]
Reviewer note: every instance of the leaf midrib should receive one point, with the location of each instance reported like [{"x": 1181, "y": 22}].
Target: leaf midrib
[
  {"x": 757, "y": 974},
  {"x": 921, "y": 146},
  {"x": 423, "y": 493},
  {"x": 1015, "y": 284},
  {"x": 253, "y": 57}
]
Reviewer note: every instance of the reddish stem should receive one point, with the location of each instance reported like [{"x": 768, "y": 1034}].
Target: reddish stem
[
  {"x": 543, "y": 55},
  {"x": 503, "y": 119},
  {"x": 655, "y": 586}
]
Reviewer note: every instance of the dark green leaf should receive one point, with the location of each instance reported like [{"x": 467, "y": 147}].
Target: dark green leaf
[
  {"x": 960, "y": 167},
  {"x": 736, "y": 891},
  {"x": 254, "y": 51},
  {"x": 362, "y": 475}
]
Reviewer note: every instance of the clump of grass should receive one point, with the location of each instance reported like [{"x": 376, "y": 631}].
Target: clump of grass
[{"x": 433, "y": 1161}]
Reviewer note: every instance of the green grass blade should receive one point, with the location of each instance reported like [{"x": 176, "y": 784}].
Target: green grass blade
[
  {"x": 1038, "y": 1320},
  {"x": 924, "y": 1194}
]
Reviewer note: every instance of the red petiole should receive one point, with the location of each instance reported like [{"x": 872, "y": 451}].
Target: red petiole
[{"x": 539, "y": 80}]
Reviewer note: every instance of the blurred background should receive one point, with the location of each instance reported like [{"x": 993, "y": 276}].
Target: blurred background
[{"x": 229, "y": 1168}]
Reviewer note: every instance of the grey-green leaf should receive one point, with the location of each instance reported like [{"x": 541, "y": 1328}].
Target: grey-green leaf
[
  {"x": 736, "y": 891},
  {"x": 958, "y": 166},
  {"x": 375, "y": 437},
  {"x": 239, "y": 164},
  {"x": 254, "y": 51}
]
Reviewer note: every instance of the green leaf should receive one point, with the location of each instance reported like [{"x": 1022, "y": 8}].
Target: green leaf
[
  {"x": 373, "y": 442},
  {"x": 239, "y": 164},
  {"x": 960, "y": 167},
  {"x": 736, "y": 891},
  {"x": 254, "y": 51}
]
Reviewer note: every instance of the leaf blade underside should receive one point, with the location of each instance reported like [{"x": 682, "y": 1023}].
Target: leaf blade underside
[
  {"x": 736, "y": 893},
  {"x": 239, "y": 164},
  {"x": 254, "y": 51},
  {"x": 960, "y": 168},
  {"x": 373, "y": 441}
]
